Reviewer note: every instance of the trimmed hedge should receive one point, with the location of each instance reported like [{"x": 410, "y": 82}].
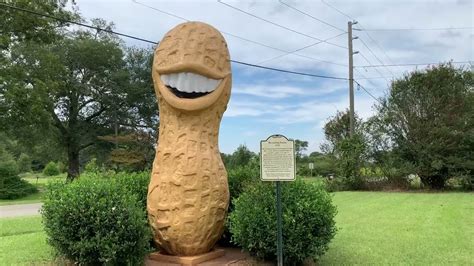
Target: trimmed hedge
[
  {"x": 308, "y": 221},
  {"x": 96, "y": 221},
  {"x": 51, "y": 169}
]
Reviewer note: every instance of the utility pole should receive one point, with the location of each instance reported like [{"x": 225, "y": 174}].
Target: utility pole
[{"x": 351, "y": 77}]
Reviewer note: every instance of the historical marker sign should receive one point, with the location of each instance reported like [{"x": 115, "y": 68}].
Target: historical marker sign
[{"x": 277, "y": 159}]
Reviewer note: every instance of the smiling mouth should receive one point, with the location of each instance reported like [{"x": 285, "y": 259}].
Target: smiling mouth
[{"x": 189, "y": 85}]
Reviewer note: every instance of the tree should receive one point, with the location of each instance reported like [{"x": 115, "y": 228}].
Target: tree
[
  {"x": 18, "y": 26},
  {"x": 338, "y": 128},
  {"x": 428, "y": 117},
  {"x": 73, "y": 89},
  {"x": 300, "y": 147},
  {"x": 240, "y": 157},
  {"x": 348, "y": 151}
]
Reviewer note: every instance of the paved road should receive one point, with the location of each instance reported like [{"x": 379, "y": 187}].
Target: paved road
[{"x": 20, "y": 210}]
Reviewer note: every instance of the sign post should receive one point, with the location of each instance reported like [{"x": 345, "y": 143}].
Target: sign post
[
  {"x": 311, "y": 167},
  {"x": 277, "y": 163}
]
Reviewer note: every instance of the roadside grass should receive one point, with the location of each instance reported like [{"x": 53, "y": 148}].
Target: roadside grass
[
  {"x": 38, "y": 180},
  {"x": 23, "y": 241},
  {"x": 375, "y": 228}
]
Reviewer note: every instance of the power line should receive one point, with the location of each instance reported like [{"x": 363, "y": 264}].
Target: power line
[
  {"x": 311, "y": 16},
  {"x": 414, "y": 64},
  {"x": 376, "y": 69},
  {"x": 78, "y": 23},
  {"x": 418, "y": 29},
  {"x": 339, "y": 11},
  {"x": 279, "y": 25},
  {"x": 368, "y": 35},
  {"x": 368, "y": 92},
  {"x": 148, "y": 41},
  {"x": 376, "y": 57},
  {"x": 245, "y": 39},
  {"x": 379, "y": 46},
  {"x": 302, "y": 48},
  {"x": 289, "y": 71}
]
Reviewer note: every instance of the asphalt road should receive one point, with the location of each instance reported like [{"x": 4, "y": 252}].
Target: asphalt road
[{"x": 20, "y": 210}]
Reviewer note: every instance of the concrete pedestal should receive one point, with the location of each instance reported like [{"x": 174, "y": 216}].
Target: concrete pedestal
[{"x": 186, "y": 260}]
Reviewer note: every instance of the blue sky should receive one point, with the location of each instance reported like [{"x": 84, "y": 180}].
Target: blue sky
[{"x": 265, "y": 102}]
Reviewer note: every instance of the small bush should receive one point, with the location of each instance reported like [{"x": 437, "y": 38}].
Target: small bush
[
  {"x": 239, "y": 178},
  {"x": 11, "y": 185},
  {"x": 24, "y": 163},
  {"x": 135, "y": 183},
  {"x": 308, "y": 221},
  {"x": 95, "y": 221},
  {"x": 51, "y": 169}
]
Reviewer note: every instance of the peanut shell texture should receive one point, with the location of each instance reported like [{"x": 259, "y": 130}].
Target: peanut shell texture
[{"x": 188, "y": 194}]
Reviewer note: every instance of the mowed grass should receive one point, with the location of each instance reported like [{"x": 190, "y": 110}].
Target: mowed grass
[
  {"x": 23, "y": 241},
  {"x": 38, "y": 180},
  {"x": 375, "y": 228},
  {"x": 403, "y": 229}
]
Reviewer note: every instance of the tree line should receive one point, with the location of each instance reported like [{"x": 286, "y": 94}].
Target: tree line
[{"x": 74, "y": 93}]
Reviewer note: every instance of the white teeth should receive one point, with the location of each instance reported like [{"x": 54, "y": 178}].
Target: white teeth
[{"x": 190, "y": 82}]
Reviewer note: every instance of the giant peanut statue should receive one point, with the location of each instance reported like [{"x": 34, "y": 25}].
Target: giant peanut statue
[{"x": 188, "y": 193}]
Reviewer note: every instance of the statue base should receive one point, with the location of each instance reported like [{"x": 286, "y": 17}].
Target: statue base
[{"x": 186, "y": 260}]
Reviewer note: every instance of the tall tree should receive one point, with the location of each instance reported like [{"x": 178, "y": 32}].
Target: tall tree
[
  {"x": 19, "y": 26},
  {"x": 69, "y": 87},
  {"x": 429, "y": 119},
  {"x": 349, "y": 152},
  {"x": 300, "y": 147},
  {"x": 338, "y": 128}
]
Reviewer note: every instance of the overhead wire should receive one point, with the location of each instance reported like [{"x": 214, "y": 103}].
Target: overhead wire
[
  {"x": 414, "y": 64},
  {"x": 311, "y": 16},
  {"x": 368, "y": 92},
  {"x": 368, "y": 35},
  {"x": 246, "y": 39},
  {"x": 376, "y": 57},
  {"x": 299, "y": 49},
  {"x": 152, "y": 42},
  {"x": 417, "y": 29},
  {"x": 376, "y": 69},
  {"x": 279, "y": 25}
]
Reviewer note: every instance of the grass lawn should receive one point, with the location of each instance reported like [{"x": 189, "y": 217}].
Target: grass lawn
[
  {"x": 375, "y": 228},
  {"x": 23, "y": 241},
  {"x": 403, "y": 228},
  {"x": 39, "y": 182}
]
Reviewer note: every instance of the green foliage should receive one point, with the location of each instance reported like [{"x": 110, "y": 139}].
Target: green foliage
[
  {"x": 135, "y": 183},
  {"x": 241, "y": 156},
  {"x": 338, "y": 128},
  {"x": 351, "y": 152},
  {"x": 300, "y": 147},
  {"x": 11, "y": 185},
  {"x": 308, "y": 221},
  {"x": 95, "y": 221},
  {"x": 51, "y": 169},
  {"x": 428, "y": 118},
  {"x": 24, "y": 163},
  {"x": 74, "y": 89}
]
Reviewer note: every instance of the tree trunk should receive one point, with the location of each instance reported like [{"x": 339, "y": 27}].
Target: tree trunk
[{"x": 73, "y": 163}]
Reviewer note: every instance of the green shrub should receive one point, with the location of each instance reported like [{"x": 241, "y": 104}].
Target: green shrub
[
  {"x": 135, "y": 183},
  {"x": 51, "y": 169},
  {"x": 308, "y": 221},
  {"x": 95, "y": 221},
  {"x": 239, "y": 178},
  {"x": 24, "y": 163},
  {"x": 11, "y": 185}
]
